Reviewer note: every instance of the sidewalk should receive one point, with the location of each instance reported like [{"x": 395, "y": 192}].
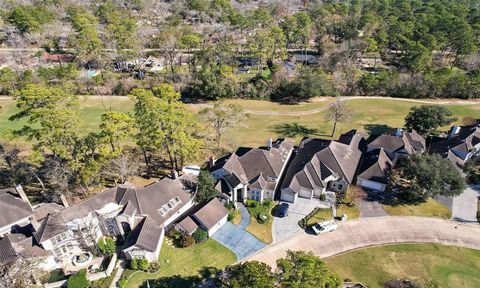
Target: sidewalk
[{"x": 118, "y": 275}]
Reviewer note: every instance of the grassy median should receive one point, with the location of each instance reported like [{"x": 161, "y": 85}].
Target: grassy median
[{"x": 445, "y": 266}]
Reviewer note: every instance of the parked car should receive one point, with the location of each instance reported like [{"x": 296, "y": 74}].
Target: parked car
[
  {"x": 323, "y": 227},
  {"x": 283, "y": 210}
]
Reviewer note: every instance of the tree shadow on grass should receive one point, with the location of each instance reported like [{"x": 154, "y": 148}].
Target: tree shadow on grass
[
  {"x": 182, "y": 281},
  {"x": 295, "y": 129},
  {"x": 377, "y": 129},
  {"x": 399, "y": 196}
]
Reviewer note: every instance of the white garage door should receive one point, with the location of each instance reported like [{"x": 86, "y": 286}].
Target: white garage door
[
  {"x": 367, "y": 184},
  {"x": 218, "y": 226},
  {"x": 287, "y": 197},
  {"x": 305, "y": 194}
]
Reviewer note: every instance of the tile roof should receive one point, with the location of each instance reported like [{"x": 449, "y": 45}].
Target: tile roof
[
  {"x": 317, "y": 159},
  {"x": 210, "y": 214},
  {"x": 12, "y": 207}
]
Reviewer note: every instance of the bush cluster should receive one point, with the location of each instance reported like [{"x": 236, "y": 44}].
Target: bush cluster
[{"x": 200, "y": 235}]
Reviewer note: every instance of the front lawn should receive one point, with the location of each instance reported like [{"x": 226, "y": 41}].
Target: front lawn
[
  {"x": 182, "y": 267},
  {"x": 431, "y": 208},
  {"x": 446, "y": 266},
  {"x": 321, "y": 215},
  {"x": 263, "y": 231},
  {"x": 352, "y": 212}
]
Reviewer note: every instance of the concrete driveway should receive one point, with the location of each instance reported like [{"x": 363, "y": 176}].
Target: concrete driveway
[
  {"x": 235, "y": 238},
  {"x": 367, "y": 232},
  {"x": 285, "y": 227},
  {"x": 369, "y": 204},
  {"x": 464, "y": 206}
]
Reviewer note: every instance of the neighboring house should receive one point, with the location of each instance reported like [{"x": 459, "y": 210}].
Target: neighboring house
[
  {"x": 138, "y": 215},
  {"x": 212, "y": 216},
  {"x": 15, "y": 210},
  {"x": 252, "y": 173},
  {"x": 399, "y": 143},
  {"x": 461, "y": 144},
  {"x": 322, "y": 165},
  {"x": 304, "y": 59},
  {"x": 374, "y": 171}
]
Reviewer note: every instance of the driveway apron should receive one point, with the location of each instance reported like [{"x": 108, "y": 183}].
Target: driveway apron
[
  {"x": 237, "y": 239},
  {"x": 464, "y": 206}
]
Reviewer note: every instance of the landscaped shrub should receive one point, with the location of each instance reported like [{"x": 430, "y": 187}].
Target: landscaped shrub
[
  {"x": 174, "y": 234},
  {"x": 78, "y": 280},
  {"x": 122, "y": 283},
  {"x": 153, "y": 267},
  {"x": 323, "y": 197},
  {"x": 187, "y": 241},
  {"x": 139, "y": 264},
  {"x": 200, "y": 235},
  {"x": 231, "y": 215},
  {"x": 229, "y": 205},
  {"x": 252, "y": 203},
  {"x": 107, "y": 245},
  {"x": 304, "y": 221},
  {"x": 267, "y": 203},
  {"x": 262, "y": 218}
]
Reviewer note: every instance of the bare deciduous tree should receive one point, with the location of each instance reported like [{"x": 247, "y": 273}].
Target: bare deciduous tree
[
  {"x": 19, "y": 272},
  {"x": 221, "y": 117},
  {"x": 86, "y": 232},
  {"x": 124, "y": 166},
  {"x": 338, "y": 112}
]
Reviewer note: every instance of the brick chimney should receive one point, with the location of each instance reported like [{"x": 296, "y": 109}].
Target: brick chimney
[
  {"x": 22, "y": 194},
  {"x": 211, "y": 161},
  {"x": 174, "y": 174},
  {"x": 63, "y": 199}
]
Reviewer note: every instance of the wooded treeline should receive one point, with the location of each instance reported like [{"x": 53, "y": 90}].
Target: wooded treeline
[{"x": 400, "y": 48}]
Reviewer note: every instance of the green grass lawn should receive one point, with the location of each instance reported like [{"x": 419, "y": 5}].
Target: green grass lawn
[
  {"x": 182, "y": 267},
  {"x": 447, "y": 266},
  {"x": 263, "y": 231},
  {"x": 320, "y": 216},
  {"x": 431, "y": 208},
  {"x": 352, "y": 212},
  {"x": 367, "y": 114}
]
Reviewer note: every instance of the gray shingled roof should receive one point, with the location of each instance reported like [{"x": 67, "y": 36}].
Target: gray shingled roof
[
  {"x": 464, "y": 141},
  {"x": 246, "y": 164},
  {"x": 12, "y": 207},
  {"x": 16, "y": 245},
  {"x": 42, "y": 211},
  {"x": 317, "y": 159},
  {"x": 376, "y": 166},
  {"x": 145, "y": 235},
  {"x": 210, "y": 214},
  {"x": 188, "y": 225},
  {"x": 145, "y": 201}
]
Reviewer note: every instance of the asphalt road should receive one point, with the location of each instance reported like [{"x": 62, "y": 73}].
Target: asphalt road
[{"x": 376, "y": 231}]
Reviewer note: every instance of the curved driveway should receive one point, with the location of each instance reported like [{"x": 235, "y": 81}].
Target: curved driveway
[{"x": 366, "y": 232}]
